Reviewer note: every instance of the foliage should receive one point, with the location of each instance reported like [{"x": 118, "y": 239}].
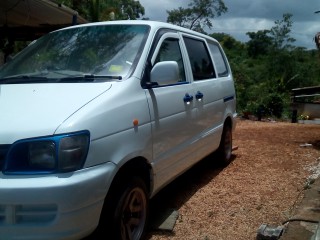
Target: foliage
[
  {"x": 259, "y": 43},
  {"x": 103, "y": 10},
  {"x": 268, "y": 68},
  {"x": 197, "y": 15},
  {"x": 280, "y": 33}
]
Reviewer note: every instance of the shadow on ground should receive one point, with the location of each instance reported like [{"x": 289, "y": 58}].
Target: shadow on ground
[{"x": 166, "y": 203}]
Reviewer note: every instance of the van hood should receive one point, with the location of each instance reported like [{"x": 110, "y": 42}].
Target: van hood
[{"x": 30, "y": 110}]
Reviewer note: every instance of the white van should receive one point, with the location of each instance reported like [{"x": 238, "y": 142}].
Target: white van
[{"x": 97, "y": 118}]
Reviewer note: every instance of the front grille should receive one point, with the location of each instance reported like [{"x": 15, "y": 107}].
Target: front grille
[{"x": 4, "y": 148}]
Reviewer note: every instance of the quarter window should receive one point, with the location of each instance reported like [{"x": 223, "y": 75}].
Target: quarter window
[
  {"x": 219, "y": 60},
  {"x": 201, "y": 63}
]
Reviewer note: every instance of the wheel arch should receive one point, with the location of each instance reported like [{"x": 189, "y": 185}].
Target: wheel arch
[
  {"x": 228, "y": 122},
  {"x": 138, "y": 167},
  {"x": 125, "y": 176}
]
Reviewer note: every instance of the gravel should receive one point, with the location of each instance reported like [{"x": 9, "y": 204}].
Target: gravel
[{"x": 262, "y": 185}]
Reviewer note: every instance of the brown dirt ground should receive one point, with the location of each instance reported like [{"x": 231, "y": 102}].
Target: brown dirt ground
[{"x": 263, "y": 184}]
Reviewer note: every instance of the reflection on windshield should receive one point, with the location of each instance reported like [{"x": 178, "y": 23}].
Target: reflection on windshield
[{"x": 102, "y": 50}]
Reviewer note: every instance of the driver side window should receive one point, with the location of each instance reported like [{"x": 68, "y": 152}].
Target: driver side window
[{"x": 170, "y": 51}]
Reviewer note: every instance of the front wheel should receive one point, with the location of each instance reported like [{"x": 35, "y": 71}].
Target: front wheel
[
  {"x": 126, "y": 211},
  {"x": 225, "y": 148}
]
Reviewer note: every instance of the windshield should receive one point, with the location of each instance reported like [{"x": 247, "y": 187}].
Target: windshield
[{"x": 78, "y": 54}]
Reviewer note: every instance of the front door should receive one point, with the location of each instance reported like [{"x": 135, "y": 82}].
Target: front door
[{"x": 172, "y": 114}]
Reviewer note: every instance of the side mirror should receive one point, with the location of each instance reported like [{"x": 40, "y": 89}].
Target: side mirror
[{"x": 165, "y": 73}]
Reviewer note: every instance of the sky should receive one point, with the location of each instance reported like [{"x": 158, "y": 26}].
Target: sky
[{"x": 251, "y": 16}]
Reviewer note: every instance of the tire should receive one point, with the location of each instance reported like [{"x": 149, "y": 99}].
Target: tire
[
  {"x": 225, "y": 148},
  {"x": 125, "y": 212}
]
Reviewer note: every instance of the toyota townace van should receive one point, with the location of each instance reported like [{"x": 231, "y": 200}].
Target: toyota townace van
[{"x": 95, "y": 119}]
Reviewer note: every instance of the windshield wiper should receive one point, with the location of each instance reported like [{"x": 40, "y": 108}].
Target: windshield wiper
[
  {"x": 23, "y": 79},
  {"x": 20, "y": 79},
  {"x": 89, "y": 78}
]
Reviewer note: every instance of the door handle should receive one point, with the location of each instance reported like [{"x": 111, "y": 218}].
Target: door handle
[
  {"x": 187, "y": 98},
  {"x": 199, "y": 96}
]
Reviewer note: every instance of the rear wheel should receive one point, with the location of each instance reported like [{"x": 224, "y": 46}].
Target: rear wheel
[
  {"x": 225, "y": 148},
  {"x": 126, "y": 211}
]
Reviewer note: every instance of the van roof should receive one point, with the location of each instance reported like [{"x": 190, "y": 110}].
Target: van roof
[{"x": 155, "y": 25}]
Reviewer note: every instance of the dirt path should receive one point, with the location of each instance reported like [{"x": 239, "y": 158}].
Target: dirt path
[{"x": 263, "y": 184}]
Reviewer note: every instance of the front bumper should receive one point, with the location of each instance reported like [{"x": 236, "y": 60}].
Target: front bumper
[{"x": 62, "y": 206}]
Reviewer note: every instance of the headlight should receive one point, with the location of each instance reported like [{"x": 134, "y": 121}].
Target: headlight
[{"x": 59, "y": 153}]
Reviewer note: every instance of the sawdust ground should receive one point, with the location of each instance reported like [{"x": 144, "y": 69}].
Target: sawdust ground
[{"x": 263, "y": 184}]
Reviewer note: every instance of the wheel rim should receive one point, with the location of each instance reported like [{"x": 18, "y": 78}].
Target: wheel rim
[{"x": 134, "y": 215}]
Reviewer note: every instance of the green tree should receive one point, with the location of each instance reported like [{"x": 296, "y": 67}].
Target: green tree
[
  {"x": 128, "y": 9},
  {"x": 282, "y": 60},
  {"x": 280, "y": 33},
  {"x": 197, "y": 15},
  {"x": 228, "y": 42},
  {"x": 259, "y": 43},
  {"x": 265, "y": 70},
  {"x": 104, "y": 10}
]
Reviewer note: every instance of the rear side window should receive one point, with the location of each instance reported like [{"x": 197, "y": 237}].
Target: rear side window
[
  {"x": 201, "y": 63},
  {"x": 219, "y": 60}
]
